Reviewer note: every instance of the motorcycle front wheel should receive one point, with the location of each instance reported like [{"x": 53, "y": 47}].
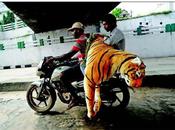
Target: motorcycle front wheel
[{"x": 41, "y": 103}]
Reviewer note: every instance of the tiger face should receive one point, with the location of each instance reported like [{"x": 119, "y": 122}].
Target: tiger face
[{"x": 134, "y": 73}]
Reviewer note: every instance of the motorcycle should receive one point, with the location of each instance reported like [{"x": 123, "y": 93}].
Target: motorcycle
[{"x": 42, "y": 94}]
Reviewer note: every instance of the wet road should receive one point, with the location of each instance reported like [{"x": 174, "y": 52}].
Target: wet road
[{"x": 149, "y": 107}]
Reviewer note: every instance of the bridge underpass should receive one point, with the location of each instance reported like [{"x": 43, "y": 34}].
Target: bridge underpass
[
  {"x": 149, "y": 107},
  {"x": 47, "y": 16}
]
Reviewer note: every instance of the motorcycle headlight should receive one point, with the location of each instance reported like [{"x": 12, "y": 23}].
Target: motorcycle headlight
[
  {"x": 39, "y": 71},
  {"x": 40, "y": 64}
]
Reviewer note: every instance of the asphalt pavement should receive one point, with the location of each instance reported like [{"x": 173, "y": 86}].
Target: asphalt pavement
[{"x": 149, "y": 108}]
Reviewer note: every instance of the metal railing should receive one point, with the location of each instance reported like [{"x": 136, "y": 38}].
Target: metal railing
[
  {"x": 12, "y": 26},
  {"x": 36, "y": 43},
  {"x": 62, "y": 39}
]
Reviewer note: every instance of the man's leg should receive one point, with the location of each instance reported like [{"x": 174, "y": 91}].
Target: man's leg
[{"x": 68, "y": 76}]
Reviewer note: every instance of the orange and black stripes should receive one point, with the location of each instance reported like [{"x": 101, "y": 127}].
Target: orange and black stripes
[{"x": 101, "y": 63}]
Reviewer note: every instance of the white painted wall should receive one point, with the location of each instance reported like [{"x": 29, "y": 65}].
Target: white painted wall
[
  {"x": 13, "y": 56},
  {"x": 153, "y": 21},
  {"x": 26, "y": 31},
  {"x": 31, "y": 55},
  {"x": 154, "y": 44}
]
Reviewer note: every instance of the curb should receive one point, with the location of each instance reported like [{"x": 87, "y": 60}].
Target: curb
[
  {"x": 163, "y": 81},
  {"x": 17, "y": 66},
  {"x": 18, "y": 86}
]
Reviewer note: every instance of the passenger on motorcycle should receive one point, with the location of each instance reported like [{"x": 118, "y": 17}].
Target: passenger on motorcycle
[
  {"x": 74, "y": 73},
  {"x": 116, "y": 38}
]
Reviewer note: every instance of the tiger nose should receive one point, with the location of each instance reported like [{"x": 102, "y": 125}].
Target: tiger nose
[{"x": 136, "y": 84}]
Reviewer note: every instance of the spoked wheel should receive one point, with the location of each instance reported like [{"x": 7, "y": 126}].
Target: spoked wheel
[
  {"x": 120, "y": 97},
  {"x": 41, "y": 103}
]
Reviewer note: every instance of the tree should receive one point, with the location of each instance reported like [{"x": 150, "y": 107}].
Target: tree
[
  {"x": 116, "y": 12},
  {"x": 120, "y": 13},
  {"x": 9, "y": 18},
  {"x": 4, "y": 21}
]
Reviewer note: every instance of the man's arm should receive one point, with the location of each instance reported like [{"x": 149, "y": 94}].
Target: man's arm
[
  {"x": 120, "y": 45},
  {"x": 116, "y": 40},
  {"x": 66, "y": 56}
]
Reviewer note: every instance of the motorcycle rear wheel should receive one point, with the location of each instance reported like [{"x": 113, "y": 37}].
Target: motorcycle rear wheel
[
  {"x": 44, "y": 102},
  {"x": 121, "y": 98}
]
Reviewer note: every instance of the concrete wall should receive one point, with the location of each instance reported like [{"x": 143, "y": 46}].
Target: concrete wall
[
  {"x": 152, "y": 20},
  {"x": 13, "y": 34},
  {"x": 32, "y": 54},
  {"x": 152, "y": 44},
  {"x": 156, "y": 43}
]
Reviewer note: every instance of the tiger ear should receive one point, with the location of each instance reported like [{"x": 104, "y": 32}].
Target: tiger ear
[{"x": 136, "y": 61}]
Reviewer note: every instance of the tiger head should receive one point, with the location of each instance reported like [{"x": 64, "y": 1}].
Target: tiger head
[{"x": 133, "y": 72}]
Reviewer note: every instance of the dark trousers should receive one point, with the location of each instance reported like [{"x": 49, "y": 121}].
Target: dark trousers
[{"x": 70, "y": 75}]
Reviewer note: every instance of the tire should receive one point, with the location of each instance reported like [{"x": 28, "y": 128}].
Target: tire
[
  {"x": 120, "y": 96},
  {"x": 45, "y": 102},
  {"x": 125, "y": 97}
]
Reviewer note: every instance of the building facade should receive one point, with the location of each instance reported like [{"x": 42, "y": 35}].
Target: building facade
[{"x": 148, "y": 36}]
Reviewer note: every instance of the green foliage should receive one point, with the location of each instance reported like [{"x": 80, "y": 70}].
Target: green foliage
[
  {"x": 4, "y": 21},
  {"x": 117, "y": 12},
  {"x": 120, "y": 13},
  {"x": 8, "y": 18}
]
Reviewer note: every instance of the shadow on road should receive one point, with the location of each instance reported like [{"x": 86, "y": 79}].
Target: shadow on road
[
  {"x": 166, "y": 81},
  {"x": 49, "y": 113},
  {"x": 111, "y": 119}
]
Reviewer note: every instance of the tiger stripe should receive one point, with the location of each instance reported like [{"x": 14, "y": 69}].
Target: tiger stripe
[{"x": 101, "y": 63}]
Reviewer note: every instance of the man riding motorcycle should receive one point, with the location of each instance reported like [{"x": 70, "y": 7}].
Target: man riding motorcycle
[{"x": 74, "y": 72}]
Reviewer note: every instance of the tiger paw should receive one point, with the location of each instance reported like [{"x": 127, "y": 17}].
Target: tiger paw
[
  {"x": 91, "y": 120},
  {"x": 97, "y": 105},
  {"x": 91, "y": 114}
]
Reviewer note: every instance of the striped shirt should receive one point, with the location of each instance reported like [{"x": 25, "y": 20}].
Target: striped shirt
[{"x": 80, "y": 45}]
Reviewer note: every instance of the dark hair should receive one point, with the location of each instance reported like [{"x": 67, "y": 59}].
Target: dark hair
[{"x": 109, "y": 18}]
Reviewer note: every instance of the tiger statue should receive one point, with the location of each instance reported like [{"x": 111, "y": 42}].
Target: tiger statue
[{"x": 102, "y": 62}]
